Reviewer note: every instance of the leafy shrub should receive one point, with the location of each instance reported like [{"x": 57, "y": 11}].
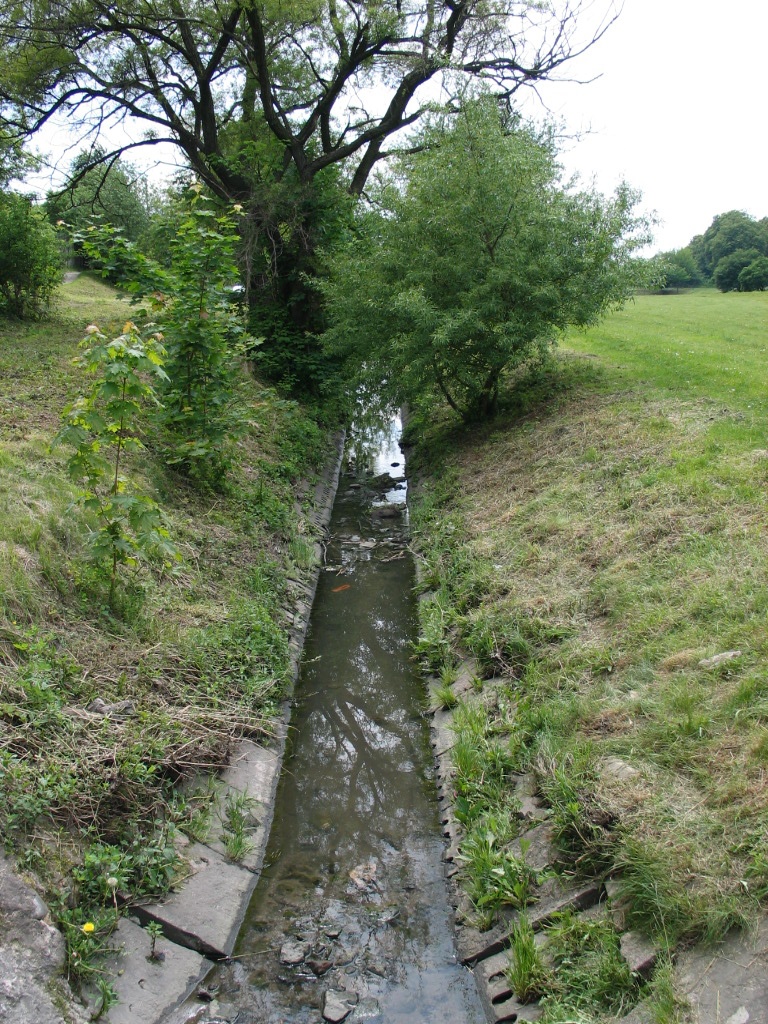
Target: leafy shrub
[
  {"x": 30, "y": 264},
  {"x": 102, "y": 428}
]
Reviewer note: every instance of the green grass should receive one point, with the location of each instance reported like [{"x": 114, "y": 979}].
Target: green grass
[
  {"x": 195, "y": 656},
  {"x": 698, "y": 344},
  {"x": 591, "y": 548}
]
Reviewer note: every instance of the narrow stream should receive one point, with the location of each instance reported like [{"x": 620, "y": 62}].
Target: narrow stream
[{"x": 350, "y": 919}]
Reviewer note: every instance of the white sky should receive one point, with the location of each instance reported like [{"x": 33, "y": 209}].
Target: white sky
[{"x": 680, "y": 110}]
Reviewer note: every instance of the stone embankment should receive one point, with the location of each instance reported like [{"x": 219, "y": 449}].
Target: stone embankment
[
  {"x": 200, "y": 920},
  {"x": 727, "y": 984}
]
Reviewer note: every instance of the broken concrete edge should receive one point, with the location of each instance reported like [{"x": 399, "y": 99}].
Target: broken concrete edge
[{"x": 198, "y": 929}]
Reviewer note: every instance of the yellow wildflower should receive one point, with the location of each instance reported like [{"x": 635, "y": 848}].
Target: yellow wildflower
[{"x": 88, "y": 927}]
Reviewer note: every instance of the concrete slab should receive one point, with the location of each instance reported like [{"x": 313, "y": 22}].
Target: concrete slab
[
  {"x": 642, "y": 1014},
  {"x": 253, "y": 770},
  {"x": 535, "y": 847},
  {"x": 469, "y": 671},
  {"x": 443, "y": 736},
  {"x": 639, "y": 953},
  {"x": 554, "y": 896},
  {"x": 147, "y": 989},
  {"x": 728, "y": 983},
  {"x": 253, "y": 773},
  {"x": 207, "y": 911}
]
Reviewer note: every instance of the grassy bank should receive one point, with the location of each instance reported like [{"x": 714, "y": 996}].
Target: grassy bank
[
  {"x": 602, "y": 553},
  {"x": 106, "y": 705}
]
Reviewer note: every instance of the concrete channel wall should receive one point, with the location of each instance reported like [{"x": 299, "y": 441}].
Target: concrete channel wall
[{"x": 201, "y": 919}]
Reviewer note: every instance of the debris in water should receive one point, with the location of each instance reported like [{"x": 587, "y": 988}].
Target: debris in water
[
  {"x": 319, "y": 967},
  {"x": 364, "y": 875}
]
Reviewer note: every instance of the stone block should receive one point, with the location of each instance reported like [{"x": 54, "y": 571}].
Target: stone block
[
  {"x": 728, "y": 983},
  {"x": 535, "y": 847},
  {"x": 148, "y": 989},
  {"x": 253, "y": 771},
  {"x": 555, "y": 896},
  {"x": 207, "y": 911},
  {"x": 642, "y": 1014},
  {"x": 443, "y": 736},
  {"x": 639, "y": 953}
]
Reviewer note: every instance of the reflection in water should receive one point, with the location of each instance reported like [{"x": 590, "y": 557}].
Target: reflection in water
[{"x": 352, "y": 907}]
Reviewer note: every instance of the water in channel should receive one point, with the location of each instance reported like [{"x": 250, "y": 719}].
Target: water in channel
[{"x": 350, "y": 919}]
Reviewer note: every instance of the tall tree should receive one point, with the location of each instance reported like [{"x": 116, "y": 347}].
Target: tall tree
[
  {"x": 263, "y": 98},
  {"x": 728, "y": 233},
  {"x": 480, "y": 259}
]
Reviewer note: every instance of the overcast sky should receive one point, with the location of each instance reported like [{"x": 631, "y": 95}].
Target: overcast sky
[{"x": 680, "y": 110}]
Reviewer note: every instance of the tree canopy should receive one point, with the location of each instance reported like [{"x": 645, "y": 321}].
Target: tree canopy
[
  {"x": 723, "y": 255},
  {"x": 278, "y": 107},
  {"x": 479, "y": 257},
  {"x": 112, "y": 193},
  {"x": 30, "y": 262},
  {"x": 261, "y": 89}
]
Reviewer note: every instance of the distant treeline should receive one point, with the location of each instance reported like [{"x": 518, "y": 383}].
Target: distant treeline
[{"x": 732, "y": 254}]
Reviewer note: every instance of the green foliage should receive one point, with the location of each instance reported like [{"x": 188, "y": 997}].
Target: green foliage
[
  {"x": 727, "y": 275},
  {"x": 679, "y": 269},
  {"x": 480, "y": 259},
  {"x": 527, "y": 972},
  {"x": 30, "y": 263},
  {"x": 102, "y": 190},
  {"x": 754, "y": 277},
  {"x": 237, "y": 822},
  {"x": 14, "y": 160},
  {"x": 206, "y": 340},
  {"x": 587, "y": 973},
  {"x": 493, "y": 876},
  {"x": 146, "y": 866},
  {"x": 102, "y": 427},
  {"x": 728, "y": 233},
  {"x": 155, "y": 931},
  {"x": 203, "y": 333},
  {"x": 285, "y": 108},
  {"x": 444, "y": 697}
]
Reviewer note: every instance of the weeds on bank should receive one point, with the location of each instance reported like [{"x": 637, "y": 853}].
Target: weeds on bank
[
  {"x": 593, "y": 551},
  {"x": 237, "y": 822},
  {"x": 106, "y": 705}
]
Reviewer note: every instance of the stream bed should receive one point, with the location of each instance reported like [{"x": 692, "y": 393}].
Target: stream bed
[{"x": 350, "y": 919}]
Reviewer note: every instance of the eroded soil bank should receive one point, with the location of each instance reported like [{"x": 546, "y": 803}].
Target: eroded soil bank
[{"x": 350, "y": 919}]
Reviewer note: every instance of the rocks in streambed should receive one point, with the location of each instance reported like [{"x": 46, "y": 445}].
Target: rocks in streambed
[
  {"x": 294, "y": 952},
  {"x": 387, "y": 512},
  {"x": 320, "y": 967},
  {"x": 337, "y": 1005}
]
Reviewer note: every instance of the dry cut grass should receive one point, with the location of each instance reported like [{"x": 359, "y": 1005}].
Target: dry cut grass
[
  {"x": 103, "y": 710},
  {"x": 620, "y": 533}
]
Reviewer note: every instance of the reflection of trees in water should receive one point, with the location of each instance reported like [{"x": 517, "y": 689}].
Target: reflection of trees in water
[
  {"x": 353, "y": 775},
  {"x": 355, "y": 791}
]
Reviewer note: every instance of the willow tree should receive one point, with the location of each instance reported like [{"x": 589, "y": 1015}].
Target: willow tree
[
  {"x": 481, "y": 255},
  {"x": 275, "y": 104}
]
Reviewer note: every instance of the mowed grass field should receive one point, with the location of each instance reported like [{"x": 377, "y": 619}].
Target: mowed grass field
[{"x": 604, "y": 555}]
